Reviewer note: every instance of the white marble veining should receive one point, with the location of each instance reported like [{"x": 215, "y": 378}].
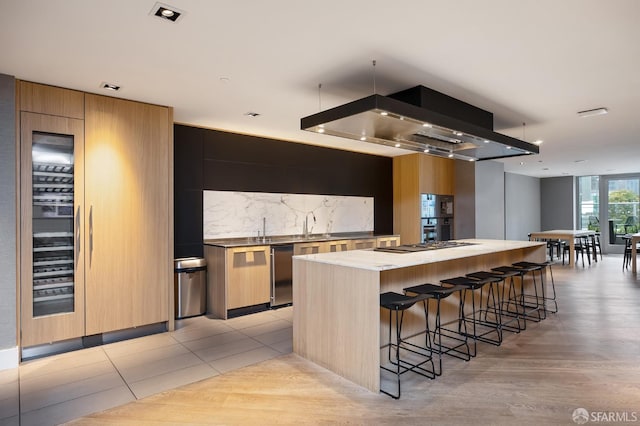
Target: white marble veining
[
  {"x": 383, "y": 261},
  {"x": 228, "y": 214}
]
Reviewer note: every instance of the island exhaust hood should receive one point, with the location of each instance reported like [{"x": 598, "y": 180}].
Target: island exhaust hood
[{"x": 423, "y": 120}]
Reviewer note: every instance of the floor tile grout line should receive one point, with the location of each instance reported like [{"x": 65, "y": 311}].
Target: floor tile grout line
[{"x": 120, "y": 374}]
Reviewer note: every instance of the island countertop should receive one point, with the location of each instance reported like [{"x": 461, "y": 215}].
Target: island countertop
[{"x": 382, "y": 261}]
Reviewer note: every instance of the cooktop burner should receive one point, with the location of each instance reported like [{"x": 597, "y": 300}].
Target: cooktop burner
[{"x": 412, "y": 248}]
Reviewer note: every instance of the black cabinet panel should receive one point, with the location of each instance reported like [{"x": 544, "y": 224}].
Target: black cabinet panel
[{"x": 221, "y": 161}]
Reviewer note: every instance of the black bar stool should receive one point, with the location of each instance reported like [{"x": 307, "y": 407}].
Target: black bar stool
[
  {"x": 509, "y": 310},
  {"x": 543, "y": 271},
  {"x": 535, "y": 301},
  {"x": 525, "y": 309},
  {"x": 470, "y": 285},
  {"x": 398, "y": 303},
  {"x": 460, "y": 348}
]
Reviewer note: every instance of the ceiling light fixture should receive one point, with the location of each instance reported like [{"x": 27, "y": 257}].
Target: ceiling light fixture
[
  {"x": 109, "y": 86},
  {"x": 166, "y": 12},
  {"x": 539, "y": 142},
  {"x": 592, "y": 112}
]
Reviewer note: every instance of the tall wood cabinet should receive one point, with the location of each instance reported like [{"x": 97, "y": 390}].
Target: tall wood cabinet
[
  {"x": 116, "y": 204},
  {"x": 416, "y": 174}
]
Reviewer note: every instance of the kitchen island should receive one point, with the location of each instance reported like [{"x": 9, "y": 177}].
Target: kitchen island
[{"x": 337, "y": 320}]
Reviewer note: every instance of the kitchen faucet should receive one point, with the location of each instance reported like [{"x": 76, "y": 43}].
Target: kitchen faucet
[
  {"x": 264, "y": 229},
  {"x": 305, "y": 227}
]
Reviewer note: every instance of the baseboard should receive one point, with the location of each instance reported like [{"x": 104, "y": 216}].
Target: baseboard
[{"x": 8, "y": 358}]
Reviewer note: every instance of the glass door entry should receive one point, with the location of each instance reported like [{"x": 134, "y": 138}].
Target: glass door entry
[{"x": 621, "y": 205}]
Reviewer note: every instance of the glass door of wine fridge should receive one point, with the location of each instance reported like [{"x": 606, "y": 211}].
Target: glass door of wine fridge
[{"x": 52, "y": 274}]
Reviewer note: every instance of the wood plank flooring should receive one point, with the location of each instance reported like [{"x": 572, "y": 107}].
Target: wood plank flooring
[{"x": 586, "y": 356}]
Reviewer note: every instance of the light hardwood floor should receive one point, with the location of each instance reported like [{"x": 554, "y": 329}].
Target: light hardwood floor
[{"x": 586, "y": 356}]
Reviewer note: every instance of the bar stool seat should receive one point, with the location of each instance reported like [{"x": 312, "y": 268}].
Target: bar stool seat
[
  {"x": 460, "y": 346},
  {"x": 398, "y": 303}
]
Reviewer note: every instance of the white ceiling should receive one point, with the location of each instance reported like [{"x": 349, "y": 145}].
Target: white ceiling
[{"x": 529, "y": 61}]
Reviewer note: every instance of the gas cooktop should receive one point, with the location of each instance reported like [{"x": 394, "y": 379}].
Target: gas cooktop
[{"x": 412, "y": 248}]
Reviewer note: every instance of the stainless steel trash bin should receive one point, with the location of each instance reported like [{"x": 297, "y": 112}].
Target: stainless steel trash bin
[{"x": 190, "y": 286}]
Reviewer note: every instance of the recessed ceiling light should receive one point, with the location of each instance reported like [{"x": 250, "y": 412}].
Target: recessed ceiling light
[
  {"x": 384, "y": 113},
  {"x": 457, "y": 133},
  {"x": 363, "y": 138},
  {"x": 109, "y": 86},
  {"x": 426, "y": 150},
  {"x": 450, "y": 155},
  {"x": 255, "y": 114},
  {"x": 166, "y": 12},
  {"x": 472, "y": 159},
  {"x": 592, "y": 112},
  {"x": 397, "y": 145},
  {"x": 426, "y": 125},
  {"x": 539, "y": 142},
  {"x": 508, "y": 147},
  {"x": 486, "y": 141},
  {"x": 522, "y": 163}
]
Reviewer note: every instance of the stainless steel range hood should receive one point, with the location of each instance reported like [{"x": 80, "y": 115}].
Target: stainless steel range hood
[{"x": 389, "y": 121}]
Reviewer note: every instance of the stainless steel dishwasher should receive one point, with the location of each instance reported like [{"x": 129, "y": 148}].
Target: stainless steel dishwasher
[{"x": 281, "y": 275}]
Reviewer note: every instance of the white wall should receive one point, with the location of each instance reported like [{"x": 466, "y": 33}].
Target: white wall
[{"x": 522, "y": 206}]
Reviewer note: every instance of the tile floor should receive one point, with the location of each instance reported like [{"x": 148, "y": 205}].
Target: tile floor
[{"x": 60, "y": 388}]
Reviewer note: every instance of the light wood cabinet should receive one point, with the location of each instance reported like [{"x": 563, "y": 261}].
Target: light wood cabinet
[
  {"x": 365, "y": 243},
  {"x": 50, "y": 100},
  {"x": 127, "y": 210},
  {"x": 413, "y": 175},
  {"x": 237, "y": 277},
  {"x": 119, "y": 213},
  {"x": 388, "y": 241},
  {"x": 340, "y": 245},
  {"x": 248, "y": 276},
  {"x": 313, "y": 247}
]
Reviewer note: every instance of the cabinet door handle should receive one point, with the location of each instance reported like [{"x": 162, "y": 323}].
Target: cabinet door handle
[
  {"x": 273, "y": 276},
  {"x": 90, "y": 234},
  {"x": 78, "y": 240}
]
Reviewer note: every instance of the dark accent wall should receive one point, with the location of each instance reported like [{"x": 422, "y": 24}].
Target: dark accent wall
[{"x": 215, "y": 160}]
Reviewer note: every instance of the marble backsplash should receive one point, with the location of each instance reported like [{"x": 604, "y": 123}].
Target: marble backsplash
[{"x": 228, "y": 214}]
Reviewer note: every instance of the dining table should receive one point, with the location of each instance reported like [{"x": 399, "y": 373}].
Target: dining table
[
  {"x": 568, "y": 235},
  {"x": 635, "y": 239}
]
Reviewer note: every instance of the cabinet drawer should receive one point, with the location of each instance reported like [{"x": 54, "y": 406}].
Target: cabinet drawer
[
  {"x": 388, "y": 241},
  {"x": 309, "y": 248},
  {"x": 248, "y": 276},
  {"x": 365, "y": 243},
  {"x": 341, "y": 245}
]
